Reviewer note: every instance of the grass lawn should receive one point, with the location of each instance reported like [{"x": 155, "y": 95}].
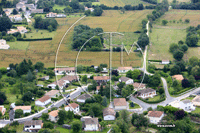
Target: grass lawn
[
  {"x": 38, "y": 33},
  {"x": 135, "y": 107},
  {"x": 161, "y": 40},
  {"x": 188, "y": 98},
  {"x": 59, "y": 7},
  {"x": 41, "y": 15},
  {"x": 96, "y": 3},
  {"x": 18, "y": 45},
  {"x": 155, "y": 98},
  {"x": 19, "y": 128},
  {"x": 197, "y": 110}
]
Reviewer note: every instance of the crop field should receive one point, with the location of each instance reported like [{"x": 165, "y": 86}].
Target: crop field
[
  {"x": 113, "y": 3},
  {"x": 178, "y": 15},
  {"x": 115, "y": 21},
  {"x": 45, "y": 51}
]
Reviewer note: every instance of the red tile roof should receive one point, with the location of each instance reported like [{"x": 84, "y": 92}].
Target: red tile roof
[
  {"x": 120, "y": 102},
  {"x": 155, "y": 113}
]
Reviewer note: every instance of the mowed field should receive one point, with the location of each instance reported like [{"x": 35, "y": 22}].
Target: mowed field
[
  {"x": 113, "y": 3},
  {"x": 162, "y": 36},
  {"x": 45, "y": 51}
]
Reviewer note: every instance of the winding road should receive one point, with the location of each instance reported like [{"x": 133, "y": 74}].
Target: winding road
[{"x": 169, "y": 98}]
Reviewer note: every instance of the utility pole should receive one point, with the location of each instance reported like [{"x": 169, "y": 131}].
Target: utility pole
[{"x": 110, "y": 63}]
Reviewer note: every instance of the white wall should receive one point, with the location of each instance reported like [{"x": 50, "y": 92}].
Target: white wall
[
  {"x": 76, "y": 110},
  {"x": 155, "y": 120},
  {"x": 54, "y": 119},
  {"x": 80, "y": 101},
  {"x": 38, "y": 103},
  {"x": 120, "y": 107},
  {"x": 130, "y": 81},
  {"x": 31, "y": 127},
  {"x": 109, "y": 117},
  {"x": 91, "y": 127}
]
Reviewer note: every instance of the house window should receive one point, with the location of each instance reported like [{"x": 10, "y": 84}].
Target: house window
[{"x": 33, "y": 126}]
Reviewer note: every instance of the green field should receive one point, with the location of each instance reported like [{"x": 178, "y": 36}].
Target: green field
[
  {"x": 18, "y": 45},
  {"x": 58, "y": 7},
  {"x": 113, "y": 3}
]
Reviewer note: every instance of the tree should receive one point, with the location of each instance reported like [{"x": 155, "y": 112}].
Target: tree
[
  {"x": 179, "y": 114},
  {"x": 115, "y": 72},
  {"x": 195, "y": 71},
  {"x": 84, "y": 78},
  {"x": 18, "y": 113},
  {"x": 125, "y": 116},
  {"x": 5, "y": 23},
  {"x": 39, "y": 66},
  {"x": 117, "y": 114},
  {"x": 48, "y": 125},
  {"x": 70, "y": 115},
  {"x": 45, "y": 116},
  {"x": 62, "y": 115},
  {"x": 143, "y": 40},
  {"x": 27, "y": 96},
  {"x": 122, "y": 125},
  {"x": 191, "y": 81},
  {"x": 154, "y": 80},
  {"x": 76, "y": 126},
  {"x": 135, "y": 73},
  {"x": 101, "y": 90},
  {"x": 87, "y": 13},
  {"x": 175, "y": 70},
  {"x": 0, "y": 75},
  {"x": 178, "y": 55},
  {"x": 185, "y": 83},
  {"x": 187, "y": 20},
  {"x": 164, "y": 22},
  {"x": 173, "y": 47},
  {"x": 3, "y": 97},
  {"x": 193, "y": 60},
  {"x": 14, "y": 12},
  {"x": 115, "y": 129},
  {"x": 104, "y": 102},
  {"x": 98, "y": 11},
  {"x": 30, "y": 76},
  {"x": 50, "y": 28},
  {"x": 96, "y": 109},
  {"x": 192, "y": 40},
  {"x": 184, "y": 48},
  {"x": 13, "y": 73}
]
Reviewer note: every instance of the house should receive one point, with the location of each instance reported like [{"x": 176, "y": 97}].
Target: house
[
  {"x": 12, "y": 31},
  {"x": 26, "y": 109},
  {"x": 21, "y": 5},
  {"x": 155, "y": 116},
  {"x": 90, "y": 124},
  {"x": 126, "y": 80},
  {"x": 63, "y": 82},
  {"x": 108, "y": 114},
  {"x": 3, "y": 44},
  {"x": 178, "y": 77},
  {"x": 2, "y": 110},
  {"x": 96, "y": 67},
  {"x": 30, "y": 6},
  {"x": 138, "y": 86},
  {"x": 15, "y": 18},
  {"x": 36, "y": 10},
  {"x": 43, "y": 101},
  {"x": 73, "y": 107},
  {"x": 66, "y": 70},
  {"x": 120, "y": 103},
  {"x": 164, "y": 62},
  {"x": 61, "y": 16},
  {"x": 124, "y": 69},
  {"x": 45, "y": 78},
  {"x": 7, "y": 11},
  {"x": 83, "y": 97},
  {"x": 33, "y": 125},
  {"x": 101, "y": 79},
  {"x": 186, "y": 105},
  {"x": 39, "y": 85},
  {"x": 98, "y": 88},
  {"x": 91, "y": 9},
  {"x": 51, "y": 15},
  {"x": 22, "y": 29},
  {"x": 53, "y": 93},
  {"x": 146, "y": 93},
  {"x": 53, "y": 115},
  {"x": 196, "y": 101},
  {"x": 104, "y": 70}
]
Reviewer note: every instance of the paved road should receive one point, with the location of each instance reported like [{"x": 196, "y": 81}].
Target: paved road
[{"x": 169, "y": 99}]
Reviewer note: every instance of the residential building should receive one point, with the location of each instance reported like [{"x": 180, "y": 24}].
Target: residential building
[
  {"x": 61, "y": 16},
  {"x": 3, "y": 44},
  {"x": 108, "y": 114},
  {"x": 21, "y": 5},
  {"x": 146, "y": 93},
  {"x": 164, "y": 62},
  {"x": 66, "y": 70},
  {"x": 90, "y": 124},
  {"x": 30, "y": 6},
  {"x": 36, "y": 10},
  {"x": 33, "y": 125},
  {"x": 43, "y": 101},
  {"x": 53, "y": 93},
  {"x": 51, "y": 15},
  {"x": 22, "y": 29},
  {"x": 138, "y": 86},
  {"x": 155, "y": 116},
  {"x": 63, "y": 82},
  {"x": 178, "y": 77},
  {"x": 45, "y": 78},
  {"x": 196, "y": 101},
  {"x": 53, "y": 115},
  {"x": 124, "y": 69},
  {"x": 26, "y": 109},
  {"x": 39, "y": 85},
  {"x": 8, "y": 11},
  {"x": 186, "y": 105},
  {"x": 73, "y": 107},
  {"x": 15, "y": 18},
  {"x": 120, "y": 103},
  {"x": 104, "y": 70},
  {"x": 83, "y": 97},
  {"x": 2, "y": 110},
  {"x": 12, "y": 31},
  {"x": 126, "y": 80},
  {"x": 91, "y": 9},
  {"x": 101, "y": 79}
]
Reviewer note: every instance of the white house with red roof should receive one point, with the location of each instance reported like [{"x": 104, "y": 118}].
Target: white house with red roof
[
  {"x": 53, "y": 115},
  {"x": 73, "y": 107},
  {"x": 26, "y": 109},
  {"x": 120, "y": 103},
  {"x": 45, "y": 100},
  {"x": 124, "y": 69},
  {"x": 155, "y": 116}
]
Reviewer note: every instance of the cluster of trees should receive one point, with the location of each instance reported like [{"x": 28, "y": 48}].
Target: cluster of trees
[
  {"x": 47, "y": 5},
  {"x": 49, "y": 23},
  {"x": 178, "y": 50},
  {"x": 151, "y": 1},
  {"x": 5, "y": 23},
  {"x": 97, "y": 12},
  {"x": 192, "y": 36},
  {"x": 187, "y": 6},
  {"x": 130, "y": 7},
  {"x": 82, "y": 33},
  {"x": 8, "y": 4}
]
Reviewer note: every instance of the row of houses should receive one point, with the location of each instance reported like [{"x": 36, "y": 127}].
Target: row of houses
[{"x": 55, "y": 15}]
